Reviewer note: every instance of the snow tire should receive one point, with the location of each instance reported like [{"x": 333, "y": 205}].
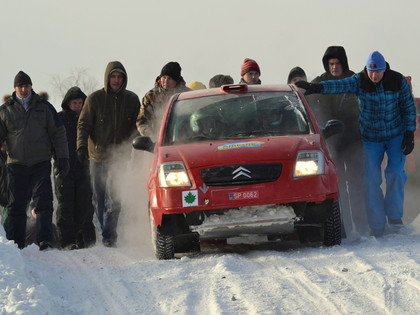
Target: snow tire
[
  {"x": 165, "y": 248},
  {"x": 332, "y": 227}
]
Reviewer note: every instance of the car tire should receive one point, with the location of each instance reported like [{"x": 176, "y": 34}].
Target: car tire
[
  {"x": 163, "y": 245},
  {"x": 332, "y": 226},
  {"x": 165, "y": 248}
]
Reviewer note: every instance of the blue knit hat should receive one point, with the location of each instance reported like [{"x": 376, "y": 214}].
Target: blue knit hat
[{"x": 375, "y": 62}]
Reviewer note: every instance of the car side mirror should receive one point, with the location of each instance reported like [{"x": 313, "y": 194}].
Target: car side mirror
[
  {"x": 332, "y": 127},
  {"x": 143, "y": 143}
]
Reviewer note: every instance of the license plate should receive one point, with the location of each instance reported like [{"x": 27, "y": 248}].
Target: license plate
[{"x": 244, "y": 195}]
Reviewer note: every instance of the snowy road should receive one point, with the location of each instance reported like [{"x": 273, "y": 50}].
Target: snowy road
[{"x": 367, "y": 276}]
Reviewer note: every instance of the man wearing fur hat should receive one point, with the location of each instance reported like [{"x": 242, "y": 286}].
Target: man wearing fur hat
[
  {"x": 74, "y": 197},
  {"x": 168, "y": 83},
  {"x": 250, "y": 72},
  {"x": 346, "y": 147},
  {"x": 107, "y": 123},
  {"x": 387, "y": 125},
  {"x": 32, "y": 131}
]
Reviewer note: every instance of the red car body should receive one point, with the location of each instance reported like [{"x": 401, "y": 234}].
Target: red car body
[{"x": 240, "y": 183}]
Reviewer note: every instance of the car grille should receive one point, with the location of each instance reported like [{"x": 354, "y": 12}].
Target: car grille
[{"x": 241, "y": 174}]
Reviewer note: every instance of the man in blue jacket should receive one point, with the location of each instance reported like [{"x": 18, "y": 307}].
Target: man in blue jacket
[{"x": 387, "y": 125}]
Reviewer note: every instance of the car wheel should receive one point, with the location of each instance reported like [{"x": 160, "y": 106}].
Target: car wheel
[
  {"x": 165, "y": 248},
  {"x": 332, "y": 227},
  {"x": 163, "y": 245}
]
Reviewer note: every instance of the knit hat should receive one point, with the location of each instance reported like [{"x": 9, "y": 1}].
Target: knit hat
[
  {"x": 249, "y": 65},
  {"x": 21, "y": 79},
  {"x": 375, "y": 62},
  {"x": 296, "y": 72},
  {"x": 195, "y": 85},
  {"x": 172, "y": 69}
]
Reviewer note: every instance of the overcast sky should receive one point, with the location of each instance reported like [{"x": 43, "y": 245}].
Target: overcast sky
[{"x": 46, "y": 38}]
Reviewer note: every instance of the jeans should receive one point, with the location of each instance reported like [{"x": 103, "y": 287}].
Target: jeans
[
  {"x": 378, "y": 206},
  {"x": 107, "y": 205}
]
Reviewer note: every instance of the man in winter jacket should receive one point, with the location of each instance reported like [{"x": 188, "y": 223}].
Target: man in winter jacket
[
  {"x": 387, "y": 125},
  {"x": 107, "y": 121},
  {"x": 346, "y": 147},
  {"x": 73, "y": 192},
  {"x": 168, "y": 83},
  {"x": 32, "y": 131}
]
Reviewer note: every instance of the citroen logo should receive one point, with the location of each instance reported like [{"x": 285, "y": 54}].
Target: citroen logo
[{"x": 241, "y": 171}]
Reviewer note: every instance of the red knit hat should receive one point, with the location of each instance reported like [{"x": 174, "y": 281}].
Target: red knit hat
[{"x": 249, "y": 65}]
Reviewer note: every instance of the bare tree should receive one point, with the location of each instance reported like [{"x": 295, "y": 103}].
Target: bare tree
[{"x": 78, "y": 77}]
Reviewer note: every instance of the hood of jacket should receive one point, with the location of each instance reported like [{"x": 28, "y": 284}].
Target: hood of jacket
[
  {"x": 111, "y": 67},
  {"x": 72, "y": 94},
  {"x": 335, "y": 52}
]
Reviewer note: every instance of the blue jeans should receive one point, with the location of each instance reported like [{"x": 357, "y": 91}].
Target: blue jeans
[
  {"x": 107, "y": 205},
  {"x": 378, "y": 206}
]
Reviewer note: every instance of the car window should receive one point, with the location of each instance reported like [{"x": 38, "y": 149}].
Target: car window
[{"x": 236, "y": 116}]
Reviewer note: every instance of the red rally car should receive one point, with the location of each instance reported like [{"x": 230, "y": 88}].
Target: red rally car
[{"x": 240, "y": 160}]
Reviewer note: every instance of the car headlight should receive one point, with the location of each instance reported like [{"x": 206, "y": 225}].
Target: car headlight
[
  {"x": 309, "y": 163},
  {"x": 173, "y": 174}
]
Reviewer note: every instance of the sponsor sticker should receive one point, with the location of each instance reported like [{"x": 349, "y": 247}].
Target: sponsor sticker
[
  {"x": 244, "y": 195},
  {"x": 190, "y": 198},
  {"x": 239, "y": 145}
]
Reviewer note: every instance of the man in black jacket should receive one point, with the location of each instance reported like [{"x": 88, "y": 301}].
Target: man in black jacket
[
  {"x": 32, "y": 131},
  {"x": 346, "y": 148},
  {"x": 75, "y": 210}
]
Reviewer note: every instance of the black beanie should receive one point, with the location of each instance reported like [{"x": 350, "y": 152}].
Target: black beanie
[
  {"x": 21, "y": 79},
  {"x": 172, "y": 69}
]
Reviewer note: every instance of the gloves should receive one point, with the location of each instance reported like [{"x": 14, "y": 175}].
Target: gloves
[
  {"x": 311, "y": 88},
  {"x": 408, "y": 142},
  {"x": 63, "y": 167},
  {"x": 82, "y": 154}
]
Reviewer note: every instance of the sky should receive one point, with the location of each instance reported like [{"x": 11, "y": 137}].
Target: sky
[{"x": 50, "y": 38}]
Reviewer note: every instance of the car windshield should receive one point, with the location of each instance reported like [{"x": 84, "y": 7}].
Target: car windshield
[{"x": 236, "y": 116}]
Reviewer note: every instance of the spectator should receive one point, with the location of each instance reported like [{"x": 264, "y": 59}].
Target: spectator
[
  {"x": 196, "y": 85},
  {"x": 154, "y": 102},
  {"x": 346, "y": 148},
  {"x": 387, "y": 125},
  {"x": 295, "y": 75},
  {"x": 107, "y": 121},
  {"x": 219, "y": 80},
  {"x": 30, "y": 146},
  {"x": 75, "y": 210},
  {"x": 250, "y": 72}
]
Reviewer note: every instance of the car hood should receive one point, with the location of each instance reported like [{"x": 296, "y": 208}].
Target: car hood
[{"x": 203, "y": 154}]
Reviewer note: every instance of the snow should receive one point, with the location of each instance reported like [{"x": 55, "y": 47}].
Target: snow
[{"x": 362, "y": 276}]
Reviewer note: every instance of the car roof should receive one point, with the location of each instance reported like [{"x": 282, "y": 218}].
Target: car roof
[{"x": 236, "y": 89}]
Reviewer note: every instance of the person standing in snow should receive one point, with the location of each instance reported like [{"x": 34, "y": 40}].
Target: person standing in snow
[
  {"x": 168, "y": 83},
  {"x": 250, "y": 72},
  {"x": 346, "y": 147},
  {"x": 387, "y": 125},
  {"x": 75, "y": 210},
  {"x": 107, "y": 121},
  {"x": 32, "y": 131}
]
